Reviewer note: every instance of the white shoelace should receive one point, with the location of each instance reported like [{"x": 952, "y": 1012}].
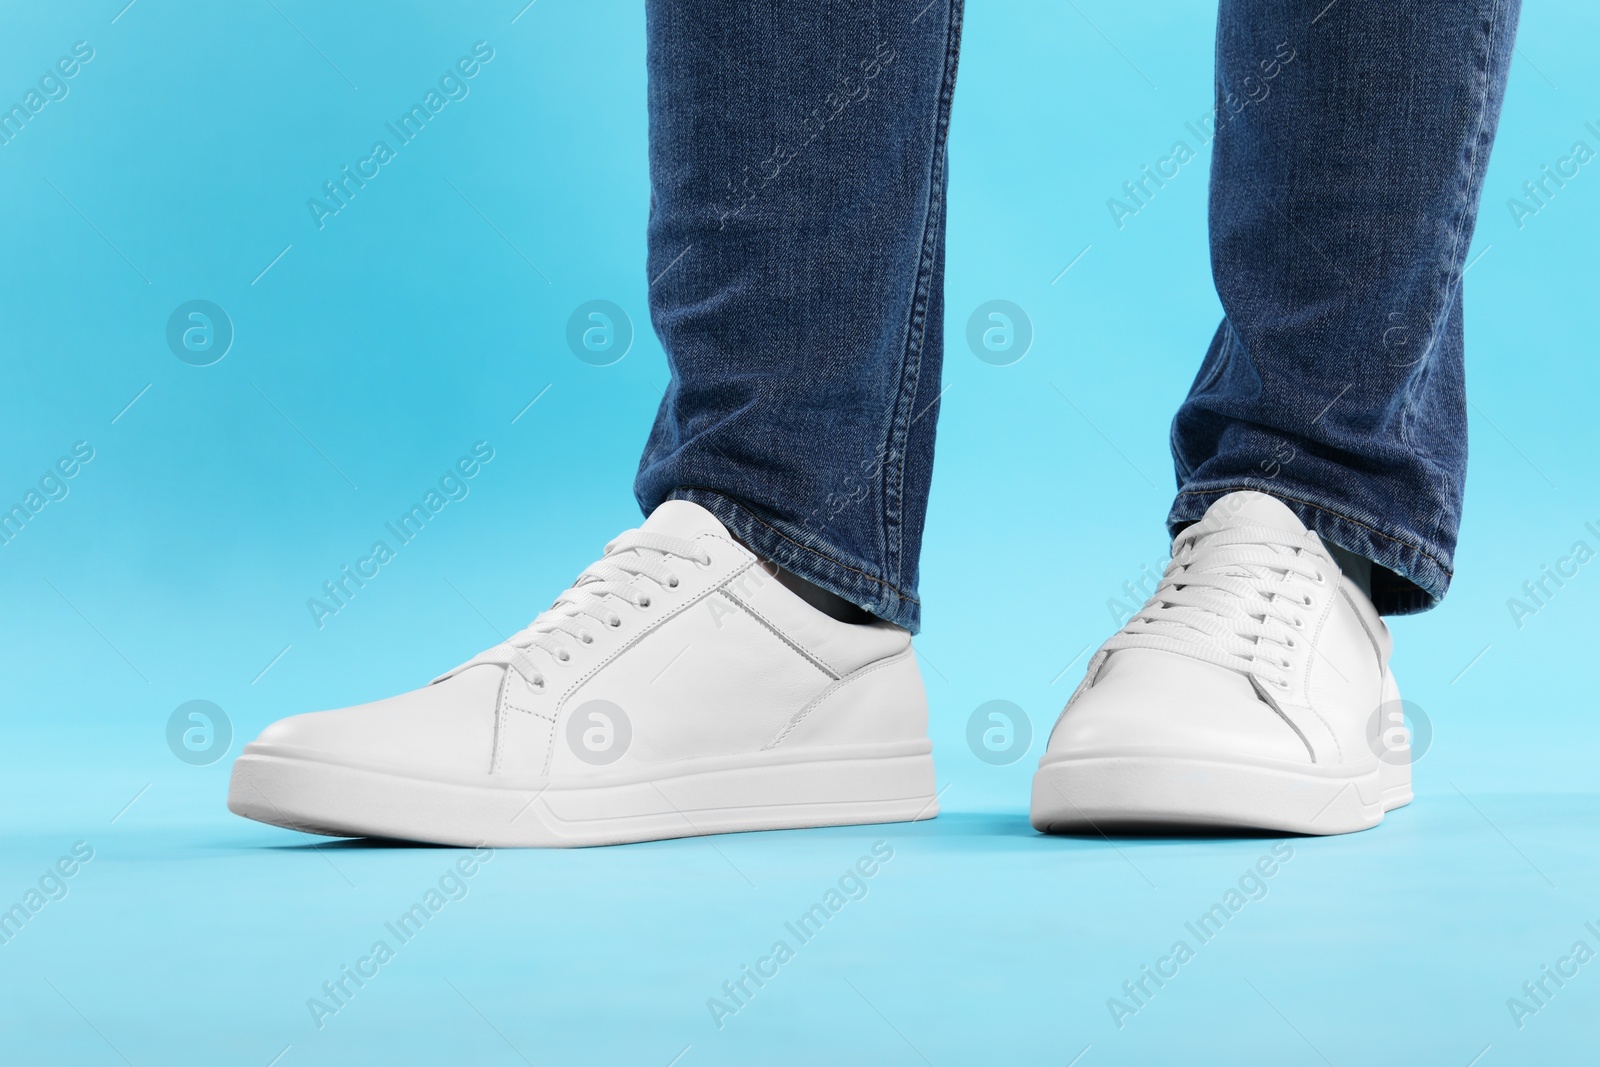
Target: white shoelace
[
  {"x": 1235, "y": 598},
  {"x": 630, "y": 561}
]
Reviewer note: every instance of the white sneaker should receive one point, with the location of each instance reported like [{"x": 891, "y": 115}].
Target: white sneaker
[
  {"x": 676, "y": 689},
  {"x": 1242, "y": 695}
]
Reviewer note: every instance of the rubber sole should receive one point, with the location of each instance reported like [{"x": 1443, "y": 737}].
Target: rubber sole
[
  {"x": 764, "y": 791},
  {"x": 1147, "y": 792}
]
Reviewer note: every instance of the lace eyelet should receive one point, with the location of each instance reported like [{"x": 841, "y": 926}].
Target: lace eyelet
[
  {"x": 614, "y": 623},
  {"x": 1306, "y": 602},
  {"x": 706, "y": 565},
  {"x": 539, "y": 684},
  {"x": 1299, "y": 623},
  {"x": 1289, "y": 643},
  {"x": 565, "y": 656},
  {"x": 1284, "y": 686},
  {"x": 1321, "y": 578},
  {"x": 644, "y": 602},
  {"x": 588, "y": 639},
  {"x": 672, "y": 582}
]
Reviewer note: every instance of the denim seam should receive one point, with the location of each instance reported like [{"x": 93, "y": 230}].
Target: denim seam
[
  {"x": 830, "y": 560},
  {"x": 1418, "y": 549},
  {"x": 1456, "y": 253},
  {"x": 1470, "y": 162},
  {"x": 1485, "y": 59},
  {"x": 893, "y": 488}
]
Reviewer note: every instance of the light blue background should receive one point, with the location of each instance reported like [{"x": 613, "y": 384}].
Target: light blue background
[{"x": 429, "y": 313}]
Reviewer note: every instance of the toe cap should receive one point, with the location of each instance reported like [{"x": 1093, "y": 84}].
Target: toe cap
[
  {"x": 445, "y": 730},
  {"x": 1145, "y": 702}
]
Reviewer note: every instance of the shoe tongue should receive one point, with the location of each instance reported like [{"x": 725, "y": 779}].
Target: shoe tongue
[
  {"x": 1244, "y": 508},
  {"x": 680, "y": 518},
  {"x": 1248, "y": 508}
]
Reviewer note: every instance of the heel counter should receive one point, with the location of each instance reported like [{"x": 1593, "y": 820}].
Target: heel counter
[{"x": 882, "y": 702}]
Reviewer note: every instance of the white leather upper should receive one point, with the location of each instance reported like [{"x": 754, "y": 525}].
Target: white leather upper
[
  {"x": 725, "y": 662},
  {"x": 446, "y": 730},
  {"x": 1148, "y": 700}
]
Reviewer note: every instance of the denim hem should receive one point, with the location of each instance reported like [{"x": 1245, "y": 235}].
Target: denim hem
[
  {"x": 818, "y": 564},
  {"x": 1408, "y": 578}
]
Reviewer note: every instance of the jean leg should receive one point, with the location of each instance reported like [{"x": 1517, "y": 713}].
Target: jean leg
[
  {"x": 796, "y": 251},
  {"x": 1351, "y": 143}
]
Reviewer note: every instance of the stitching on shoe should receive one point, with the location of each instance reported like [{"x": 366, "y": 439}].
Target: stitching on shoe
[
  {"x": 779, "y": 634},
  {"x": 1377, "y": 646},
  {"x": 560, "y": 702},
  {"x": 816, "y": 701},
  {"x": 1267, "y": 699},
  {"x": 1322, "y": 625},
  {"x": 499, "y": 721},
  {"x": 549, "y": 717},
  {"x": 502, "y": 705}
]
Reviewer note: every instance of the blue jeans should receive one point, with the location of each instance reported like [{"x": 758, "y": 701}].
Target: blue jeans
[{"x": 796, "y": 246}]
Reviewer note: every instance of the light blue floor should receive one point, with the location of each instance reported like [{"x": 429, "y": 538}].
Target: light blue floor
[
  {"x": 430, "y": 314},
  {"x": 977, "y": 942}
]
